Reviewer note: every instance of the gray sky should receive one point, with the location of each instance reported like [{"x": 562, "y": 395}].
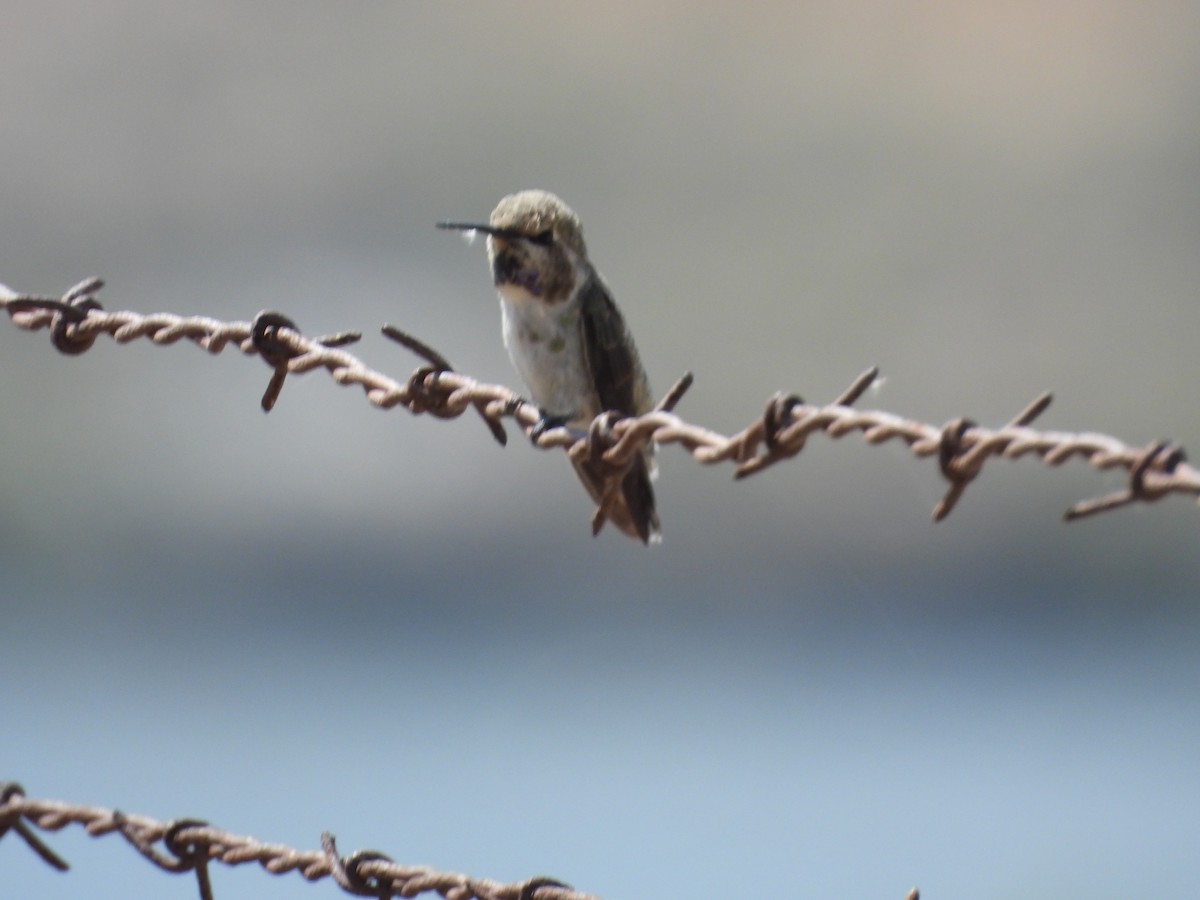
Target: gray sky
[{"x": 808, "y": 680}]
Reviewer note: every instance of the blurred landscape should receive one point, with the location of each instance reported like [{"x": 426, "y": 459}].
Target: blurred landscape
[{"x": 332, "y": 618}]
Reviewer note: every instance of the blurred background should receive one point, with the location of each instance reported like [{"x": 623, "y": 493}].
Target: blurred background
[{"x": 388, "y": 627}]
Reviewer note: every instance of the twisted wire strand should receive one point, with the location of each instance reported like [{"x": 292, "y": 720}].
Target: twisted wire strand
[
  {"x": 188, "y": 845},
  {"x": 961, "y": 446}
]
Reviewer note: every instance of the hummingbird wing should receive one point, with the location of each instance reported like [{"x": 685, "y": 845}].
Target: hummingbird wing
[
  {"x": 620, "y": 386},
  {"x": 609, "y": 349}
]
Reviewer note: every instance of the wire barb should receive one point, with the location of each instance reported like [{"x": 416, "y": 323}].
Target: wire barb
[
  {"x": 10, "y": 819},
  {"x": 787, "y": 422},
  {"x": 185, "y": 856},
  {"x": 780, "y": 432},
  {"x": 1161, "y": 458},
  {"x": 348, "y": 872},
  {"x": 420, "y": 383},
  {"x": 266, "y": 333},
  {"x": 74, "y": 308},
  {"x": 672, "y": 397},
  {"x": 530, "y": 888},
  {"x": 961, "y": 466}
]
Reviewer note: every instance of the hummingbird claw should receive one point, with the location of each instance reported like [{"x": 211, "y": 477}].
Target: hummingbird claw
[{"x": 545, "y": 422}]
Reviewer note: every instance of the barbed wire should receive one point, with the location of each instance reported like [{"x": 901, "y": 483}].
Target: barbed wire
[
  {"x": 188, "y": 845},
  {"x": 612, "y": 442}
]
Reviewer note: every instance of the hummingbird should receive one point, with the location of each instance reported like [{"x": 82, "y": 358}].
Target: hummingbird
[{"x": 566, "y": 337}]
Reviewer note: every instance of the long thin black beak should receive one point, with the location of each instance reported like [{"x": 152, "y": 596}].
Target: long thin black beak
[
  {"x": 468, "y": 226},
  {"x": 542, "y": 238}
]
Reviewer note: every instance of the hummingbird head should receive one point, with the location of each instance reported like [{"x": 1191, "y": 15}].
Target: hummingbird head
[{"x": 535, "y": 246}]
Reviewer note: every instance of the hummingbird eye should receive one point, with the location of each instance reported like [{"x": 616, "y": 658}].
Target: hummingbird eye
[{"x": 542, "y": 238}]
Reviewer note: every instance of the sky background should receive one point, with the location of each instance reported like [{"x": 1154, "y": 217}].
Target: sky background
[{"x": 331, "y": 618}]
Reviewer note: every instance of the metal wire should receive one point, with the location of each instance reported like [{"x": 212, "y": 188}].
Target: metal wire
[
  {"x": 188, "y": 845},
  {"x": 961, "y": 446}
]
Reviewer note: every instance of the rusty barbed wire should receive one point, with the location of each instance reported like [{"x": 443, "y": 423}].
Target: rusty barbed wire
[
  {"x": 961, "y": 446},
  {"x": 189, "y": 845}
]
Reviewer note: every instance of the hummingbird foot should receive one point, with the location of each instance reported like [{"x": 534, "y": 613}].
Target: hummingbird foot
[{"x": 546, "y": 422}]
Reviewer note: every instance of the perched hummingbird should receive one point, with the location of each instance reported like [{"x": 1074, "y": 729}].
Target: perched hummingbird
[{"x": 566, "y": 337}]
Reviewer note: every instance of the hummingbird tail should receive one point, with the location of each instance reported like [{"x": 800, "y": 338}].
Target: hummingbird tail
[
  {"x": 634, "y": 512},
  {"x": 639, "y": 504}
]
